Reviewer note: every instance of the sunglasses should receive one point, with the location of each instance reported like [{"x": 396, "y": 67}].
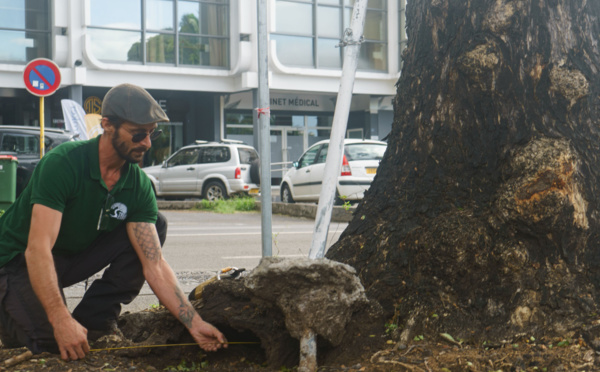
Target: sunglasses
[
  {"x": 139, "y": 137},
  {"x": 105, "y": 212}
]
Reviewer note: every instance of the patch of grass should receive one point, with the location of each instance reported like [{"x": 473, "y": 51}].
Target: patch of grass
[{"x": 229, "y": 206}]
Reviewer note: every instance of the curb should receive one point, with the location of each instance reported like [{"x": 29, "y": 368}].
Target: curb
[{"x": 306, "y": 210}]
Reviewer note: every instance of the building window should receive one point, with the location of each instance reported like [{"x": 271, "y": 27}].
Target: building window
[
  {"x": 166, "y": 32},
  {"x": 308, "y": 32},
  {"x": 24, "y": 30}
]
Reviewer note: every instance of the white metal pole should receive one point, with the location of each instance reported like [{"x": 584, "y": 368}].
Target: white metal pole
[
  {"x": 353, "y": 37},
  {"x": 264, "y": 131},
  {"x": 333, "y": 164}
]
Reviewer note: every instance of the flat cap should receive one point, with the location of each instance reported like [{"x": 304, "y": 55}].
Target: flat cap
[{"x": 133, "y": 104}]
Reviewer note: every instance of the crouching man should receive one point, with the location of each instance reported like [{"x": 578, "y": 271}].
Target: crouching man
[{"x": 89, "y": 206}]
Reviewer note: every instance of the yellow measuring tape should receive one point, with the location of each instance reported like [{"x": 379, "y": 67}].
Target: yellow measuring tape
[{"x": 168, "y": 345}]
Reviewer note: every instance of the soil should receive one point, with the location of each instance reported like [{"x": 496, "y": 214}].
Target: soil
[{"x": 377, "y": 353}]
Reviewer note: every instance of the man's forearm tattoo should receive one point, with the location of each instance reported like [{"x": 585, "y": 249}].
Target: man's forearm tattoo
[
  {"x": 186, "y": 311},
  {"x": 145, "y": 236}
]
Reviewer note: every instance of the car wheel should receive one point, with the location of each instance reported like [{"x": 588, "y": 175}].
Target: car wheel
[
  {"x": 214, "y": 191},
  {"x": 286, "y": 194},
  {"x": 255, "y": 172}
]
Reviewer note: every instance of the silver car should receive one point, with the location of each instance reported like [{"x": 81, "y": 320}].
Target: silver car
[
  {"x": 359, "y": 165},
  {"x": 210, "y": 170}
]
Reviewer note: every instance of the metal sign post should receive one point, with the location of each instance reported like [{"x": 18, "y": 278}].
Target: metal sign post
[
  {"x": 42, "y": 79},
  {"x": 263, "y": 113}
]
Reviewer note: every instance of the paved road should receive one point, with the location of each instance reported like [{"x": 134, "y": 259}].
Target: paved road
[
  {"x": 200, "y": 243},
  {"x": 209, "y": 241}
]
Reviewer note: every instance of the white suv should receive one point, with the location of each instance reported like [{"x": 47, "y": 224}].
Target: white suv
[{"x": 211, "y": 170}]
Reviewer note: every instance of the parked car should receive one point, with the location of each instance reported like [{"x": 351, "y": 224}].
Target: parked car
[
  {"x": 359, "y": 165},
  {"x": 24, "y": 143},
  {"x": 210, "y": 170}
]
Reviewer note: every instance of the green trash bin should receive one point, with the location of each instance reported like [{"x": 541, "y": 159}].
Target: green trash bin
[{"x": 8, "y": 180}]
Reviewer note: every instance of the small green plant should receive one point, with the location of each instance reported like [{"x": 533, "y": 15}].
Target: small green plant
[
  {"x": 346, "y": 203},
  {"x": 390, "y": 327},
  {"x": 182, "y": 366},
  {"x": 563, "y": 343},
  {"x": 419, "y": 338},
  {"x": 1, "y": 212},
  {"x": 392, "y": 324},
  {"x": 154, "y": 306},
  {"x": 229, "y": 206}
]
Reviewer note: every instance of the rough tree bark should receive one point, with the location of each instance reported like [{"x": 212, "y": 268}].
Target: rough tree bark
[{"x": 483, "y": 220}]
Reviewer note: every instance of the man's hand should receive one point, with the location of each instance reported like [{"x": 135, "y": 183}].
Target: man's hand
[
  {"x": 162, "y": 280},
  {"x": 207, "y": 336},
  {"x": 71, "y": 338}
]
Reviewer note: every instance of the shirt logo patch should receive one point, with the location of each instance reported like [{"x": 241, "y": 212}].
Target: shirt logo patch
[{"x": 118, "y": 211}]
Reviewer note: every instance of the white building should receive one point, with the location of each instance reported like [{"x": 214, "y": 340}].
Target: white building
[{"x": 198, "y": 58}]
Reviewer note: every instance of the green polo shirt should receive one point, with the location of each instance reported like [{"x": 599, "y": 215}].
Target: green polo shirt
[{"x": 68, "y": 180}]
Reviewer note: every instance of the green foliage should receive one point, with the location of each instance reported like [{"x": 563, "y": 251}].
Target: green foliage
[
  {"x": 229, "y": 206},
  {"x": 449, "y": 337},
  {"x": 182, "y": 366},
  {"x": 390, "y": 327},
  {"x": 346, "y": 203},
  {"x": 1, "y": 212},
  {"x": 563, "y": 343}
]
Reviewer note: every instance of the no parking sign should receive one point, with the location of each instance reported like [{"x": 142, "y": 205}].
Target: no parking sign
[{"x": 42, "y": 77}]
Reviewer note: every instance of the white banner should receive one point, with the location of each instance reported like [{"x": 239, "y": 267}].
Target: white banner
[{"x": 74, "y": 118}]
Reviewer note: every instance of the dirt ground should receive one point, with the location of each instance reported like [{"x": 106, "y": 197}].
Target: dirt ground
[{"x": 381, "y": 354}]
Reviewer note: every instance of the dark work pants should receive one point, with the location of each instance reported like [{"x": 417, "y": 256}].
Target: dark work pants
[{"x": 22, "y": 315}]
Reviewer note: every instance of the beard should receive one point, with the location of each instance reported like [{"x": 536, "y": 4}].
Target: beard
[{"x": 132, "y": 156}]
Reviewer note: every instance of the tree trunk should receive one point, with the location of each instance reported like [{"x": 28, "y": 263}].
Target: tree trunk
[{"x": 483, "y": 218}]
